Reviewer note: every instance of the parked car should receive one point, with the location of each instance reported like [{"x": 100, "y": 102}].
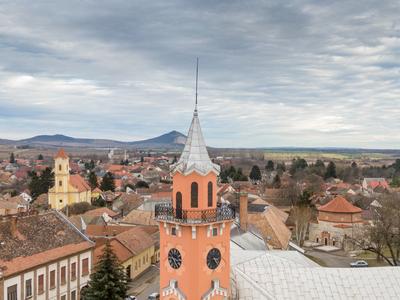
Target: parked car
[
  {"x": 131, "y": 297},
  {"x": 154, "y": 296},
  {"x": 359, "y": 264}
]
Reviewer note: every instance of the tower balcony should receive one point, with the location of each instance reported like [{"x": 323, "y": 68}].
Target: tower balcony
[{"x": 166, "y": 212}]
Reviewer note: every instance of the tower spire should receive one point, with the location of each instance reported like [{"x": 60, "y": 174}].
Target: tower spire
[{"x": 197, "y": 80}]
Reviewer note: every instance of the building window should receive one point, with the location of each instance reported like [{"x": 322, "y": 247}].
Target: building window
[
  {"x": 210, "y": 194},
  {"x": 28, "y": 288},
  {"x": 60, "y": 183},
  {"x": 215, "y": 231},
  {"x": 194, "y": 197},
  {"x": 41, "y": 284},
  {"x": 173, "y": 230},
  {"x": 73, "y": 295},
  {"x": 12, "y": 292},
  {"x": 59, "y": 167},
  {"x": 63, "y": 275},
  {"x": 128, "y": 271},
  {"x": 144, "y": 260},
  {"x": 52, "y": 279},
  {"x": 60, "y": 200},
  {"x": 85, "y": 266},
  {"x": 73, "y": 271},
  {"x": 63, "y": 297}
]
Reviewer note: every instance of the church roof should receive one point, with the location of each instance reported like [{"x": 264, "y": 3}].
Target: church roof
[
  {"x": 79, "y": 183},
  {"x": 340, "y": 205},
  {"x": 61, "y": 154},
  {"x": 195, "y": 156}
]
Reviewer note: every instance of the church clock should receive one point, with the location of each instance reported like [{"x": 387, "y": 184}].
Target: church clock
[
  {"x": 174, "y": 258},
  {"x": 213, "y": 258}
]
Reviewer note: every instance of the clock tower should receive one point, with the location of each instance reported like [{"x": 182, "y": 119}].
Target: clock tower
[{"x": 194, "y": 229}]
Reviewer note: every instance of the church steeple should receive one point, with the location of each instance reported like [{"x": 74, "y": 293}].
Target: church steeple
[{"x": 195, "y": 156}]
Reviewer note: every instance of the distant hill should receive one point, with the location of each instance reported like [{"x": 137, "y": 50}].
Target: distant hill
[{"x": 173, "y": 139}]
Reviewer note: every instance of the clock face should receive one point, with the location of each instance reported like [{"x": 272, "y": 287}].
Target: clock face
[
  {"x": 174, "y": 258},
  {"x": 213, "y": 258}
]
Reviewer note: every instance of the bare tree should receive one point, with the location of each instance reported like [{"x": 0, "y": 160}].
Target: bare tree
[
  {"x": 382, "y": 235},
  {"x": 301, "y": 216}
]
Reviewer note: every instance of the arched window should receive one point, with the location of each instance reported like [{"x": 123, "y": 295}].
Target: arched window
[
  {"x": 59, "y": 167},
  {"x": 194, "y": 197},
  {"x": 178, "y": 205},
  {"x": 210, "y": 194}
]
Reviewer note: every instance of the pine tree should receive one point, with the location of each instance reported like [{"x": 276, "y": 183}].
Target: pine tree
[
  {"x": 109, "y": 280},
  {"x": 330, "y": 170},
  {"x": 270, "y": 166},
  {"x": 255, "y": 173},
  {"x": 93, "y": 180},
  {"x": 12, "y": 158},
  {"x": 40, "y": 157},
  {"x": 108, "y": 184}
]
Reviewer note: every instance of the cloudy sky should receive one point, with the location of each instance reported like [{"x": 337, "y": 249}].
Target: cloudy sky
[{"x": 272, "y": 73}]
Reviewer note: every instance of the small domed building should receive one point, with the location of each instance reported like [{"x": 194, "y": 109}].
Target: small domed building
[{"x": 336, "y": 220}]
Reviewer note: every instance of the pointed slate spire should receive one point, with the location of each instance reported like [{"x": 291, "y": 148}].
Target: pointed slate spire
[{"x": 195, "y": 156}]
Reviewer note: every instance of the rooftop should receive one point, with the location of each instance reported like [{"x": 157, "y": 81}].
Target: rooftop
[
  {"x": 340, "y": 205},
  {"x": 34, "y": 239},
  {"x": 61, "y": 154},
  {"x": 195, "y": 156},
  {"x": 291, "y": 275}
]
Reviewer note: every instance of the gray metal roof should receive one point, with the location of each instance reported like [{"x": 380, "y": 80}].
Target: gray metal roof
[{"x": 195, "y": 156}]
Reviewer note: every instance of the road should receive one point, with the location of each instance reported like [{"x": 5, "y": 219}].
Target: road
[
  {"x": 145, "y": 284},
  {"x": 333, "y": 260}
]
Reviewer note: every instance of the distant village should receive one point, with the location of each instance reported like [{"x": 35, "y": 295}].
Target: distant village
[{"x": 57, "y": 211}]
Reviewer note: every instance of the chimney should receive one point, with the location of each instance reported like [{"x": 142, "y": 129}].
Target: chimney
[
  {"x": 243, "y": 196},
  {"x": 13, "y": 227}
]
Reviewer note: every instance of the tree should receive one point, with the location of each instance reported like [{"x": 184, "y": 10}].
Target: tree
[
  {"x": 99, "y": 202},
  {"x": 270, "y": 166},
  {"x": 302, "y": 213},
  {"x": 77, "y": 208},
  {"x": 93, "y": 180},
  {"x": 280, "y": 168},
  {"x": 142, "y": 184},
  {"x": 90, "y": 165},
  {"x": 40, "y": 157},
  {"x": 12, "y": 158},
  {"x": 330, "y": 170},
  {"x": 40, "y": 184},
  {"x": 382, "y": 236},
  {"x": 175, "y": 160},
  {"x": 142, "y": 159},
  {"x": 255, "y": 173},
  {"x": 277, "y": 182},
  {"x": 108, "y": 184},
  {"x": 298, "y": 164},
  {"x": 109, "y": 280}
]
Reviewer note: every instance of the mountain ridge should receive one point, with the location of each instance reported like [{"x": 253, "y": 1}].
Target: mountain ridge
[{"x": 172, "y": 139}]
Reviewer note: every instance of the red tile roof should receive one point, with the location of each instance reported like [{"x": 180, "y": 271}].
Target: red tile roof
[
  {"x": 61, "y": 153},
  {"x": 98, "y": 212},
  {"x": 340, "y": 205},
  {"x": 79, "y": 183}
]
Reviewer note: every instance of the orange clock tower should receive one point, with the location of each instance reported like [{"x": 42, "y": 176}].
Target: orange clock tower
[{"x": 194, "y": 230}]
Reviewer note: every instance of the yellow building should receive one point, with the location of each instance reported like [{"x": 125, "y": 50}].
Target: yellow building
[
  {"x": 134, "y": 248},
  {"x": 67, "y": 189}
]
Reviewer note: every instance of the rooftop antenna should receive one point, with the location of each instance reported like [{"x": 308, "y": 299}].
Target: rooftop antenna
[{"x": 197, "y": 80}]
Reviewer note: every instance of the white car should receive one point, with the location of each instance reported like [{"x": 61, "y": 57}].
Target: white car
[{"x": 359, "y": 264}]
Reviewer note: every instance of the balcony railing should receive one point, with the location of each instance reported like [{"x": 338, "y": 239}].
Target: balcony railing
[{"x": 165, "y": 212}]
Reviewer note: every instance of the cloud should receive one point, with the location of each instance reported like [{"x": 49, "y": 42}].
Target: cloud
[{"x": 293, "y": 73}]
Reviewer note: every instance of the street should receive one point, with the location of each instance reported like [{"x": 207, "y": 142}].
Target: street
[{"x": 145, "y": 284}]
